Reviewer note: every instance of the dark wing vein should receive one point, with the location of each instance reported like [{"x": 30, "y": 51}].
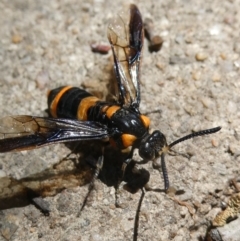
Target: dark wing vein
[
  {"x": 125, "y": 34},
  {"x": 28, "y": 132}
]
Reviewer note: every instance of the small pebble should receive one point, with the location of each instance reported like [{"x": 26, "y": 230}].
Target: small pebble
[
  {"x": 75, "y": 31},
  {"x": 207, "y": 102},
  {"x": 161, "y": 66},
  {"x": 16, "y": 38},
  {"x": 215, "y": 143},
  {"x": 216, "y": 77},
  {"x": 155, "y": 44},
  {"x": 100, "y": 48},
  {"x": 201, "y": 56},
  {"x": 223, "y": 56},
  {"x": 196, "y": 75}
]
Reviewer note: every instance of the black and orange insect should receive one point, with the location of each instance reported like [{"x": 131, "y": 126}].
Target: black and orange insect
[{"x": 76, "y": 115}]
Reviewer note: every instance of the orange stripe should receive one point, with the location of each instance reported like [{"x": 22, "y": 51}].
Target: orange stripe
[
  {"x": 111, "y": 110},
  {"x": 54, "y": 104},
  {"x": 145, "y": 120},
  {"x": 84, "y": 105},
  {"x": 128, "y": 140}
]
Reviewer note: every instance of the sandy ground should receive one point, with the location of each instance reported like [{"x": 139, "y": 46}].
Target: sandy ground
[{"x": 193, "y": 80}]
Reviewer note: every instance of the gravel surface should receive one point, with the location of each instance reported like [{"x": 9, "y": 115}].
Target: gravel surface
[{"x": 193, "y": 80}]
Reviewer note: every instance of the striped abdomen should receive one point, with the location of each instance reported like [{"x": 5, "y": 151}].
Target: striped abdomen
[
  {"x": 75, "y": 103},
  {"x": 125, "y": 124},
  {"x": 70, "y": 102}
]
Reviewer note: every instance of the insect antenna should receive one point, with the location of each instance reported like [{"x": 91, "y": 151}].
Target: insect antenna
[
  {"x": 136, "y": 221},
  {"x": 198, "y": 133},
  {"x": 168, "y": 148}
]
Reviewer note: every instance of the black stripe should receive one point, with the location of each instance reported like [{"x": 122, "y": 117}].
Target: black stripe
[
  {"x": 68, "y": 104},
  {"x": 94, "y": 113}
]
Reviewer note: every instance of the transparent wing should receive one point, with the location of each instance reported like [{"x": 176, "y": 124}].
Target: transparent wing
[
  {"x": 125, "y": 34},
  {"x": 29, "y": 132}
]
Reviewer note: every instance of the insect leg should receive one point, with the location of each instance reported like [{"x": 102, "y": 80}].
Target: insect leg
[
  {"x": 98, "y": 169},
  {"x": 120, "y": 179},
  {"x": 124, "y": 165},
  {"x": 99, "y": 166},
  {"x": 162, "y": 168}
]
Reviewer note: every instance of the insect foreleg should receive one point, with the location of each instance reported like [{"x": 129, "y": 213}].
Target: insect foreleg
[
  {"x": 162, "y": 167},
  {"x": 120, "y": 179}
]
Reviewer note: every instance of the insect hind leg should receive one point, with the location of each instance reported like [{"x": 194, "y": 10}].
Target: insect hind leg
[{"x": 99, "y": 166}]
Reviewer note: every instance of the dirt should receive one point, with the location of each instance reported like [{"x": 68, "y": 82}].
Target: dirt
[{"x": 193, "y": 81}]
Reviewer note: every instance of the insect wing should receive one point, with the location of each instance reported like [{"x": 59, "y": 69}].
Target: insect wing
[
  {"x": 125, "y": 34},
  {"x": 28, "y": 132}
]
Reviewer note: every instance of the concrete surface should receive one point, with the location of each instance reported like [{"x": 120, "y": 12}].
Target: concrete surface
[{"x": 193, "y": 80}]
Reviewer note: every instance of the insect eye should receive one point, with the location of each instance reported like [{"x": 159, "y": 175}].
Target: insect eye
[{"x": 146, "y": 151}]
